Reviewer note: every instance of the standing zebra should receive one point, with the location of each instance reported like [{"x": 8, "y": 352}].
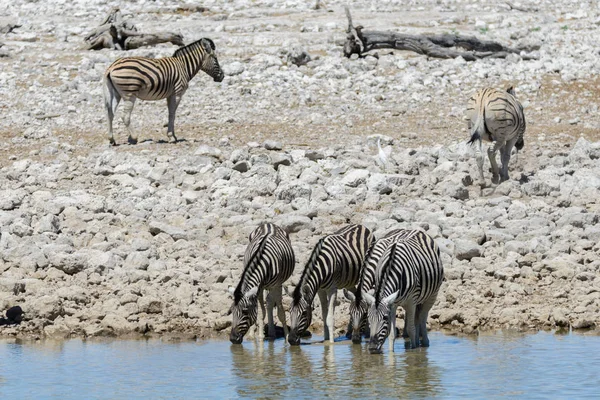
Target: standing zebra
[
  {"x": 358, "y": 304},
  {"x": 334, "y": 264},
  {"x": 144, "y": 78},
  {"x": 409, "y": 274},
  {"x": 268, "y": 262},
  {"x": 496, "y": 116}
]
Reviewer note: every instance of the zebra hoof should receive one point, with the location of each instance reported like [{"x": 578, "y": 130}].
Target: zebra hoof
[
  {"x": 132, "y": 141},
  {"x": 112, "y": 142}
]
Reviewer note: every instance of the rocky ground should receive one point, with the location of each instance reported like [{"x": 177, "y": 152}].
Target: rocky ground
[{"x": 147, "y": 239}]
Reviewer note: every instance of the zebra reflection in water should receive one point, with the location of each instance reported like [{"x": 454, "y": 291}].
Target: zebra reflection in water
[{"x": 260, "y": 370}]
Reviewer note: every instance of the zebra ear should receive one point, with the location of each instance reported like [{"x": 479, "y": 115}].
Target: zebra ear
[
  {"x": 251, "y": 293},
  {"x": 208, "y": 45},
  {"x": 349, "y": 295},
  {"x": 369, "y": 298},
  {"x": 305, "y": 290},
  {"x": 510, "y": 89},
  {"x": 390, "y": 299}
]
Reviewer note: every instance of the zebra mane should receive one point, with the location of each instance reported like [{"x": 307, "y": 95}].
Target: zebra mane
[
  {"x": 237, "y": 294},
  {"x": 385, "y": 269},
  {"x": 192, "y": 46},
  {"x": 358, "y": 294},
  {"x": 297, "y": 295}
]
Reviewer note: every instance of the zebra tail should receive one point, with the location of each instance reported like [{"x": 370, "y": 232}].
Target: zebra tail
[
  {"x": 109, "y": 90},
  {"x": 478, "y": 130}
]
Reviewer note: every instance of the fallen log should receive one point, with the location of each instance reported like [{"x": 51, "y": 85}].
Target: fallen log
[
  {"x": 115, "y": 33},
  {"x": 437, "y": 46},
  {"x": 8, "y": 28}
]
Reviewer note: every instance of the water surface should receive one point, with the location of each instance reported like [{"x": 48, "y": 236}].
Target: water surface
[{"x": 542, "y": 365}]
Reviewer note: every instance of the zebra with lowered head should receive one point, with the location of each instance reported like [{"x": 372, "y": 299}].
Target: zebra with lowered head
[
  {"x": 409, "y": 274},
  {"x": 132, "y": 78},
  {"x": 268, "y": 262},
  {"x": 334, "y": 264},
  {"x": 358, "y": 304}
]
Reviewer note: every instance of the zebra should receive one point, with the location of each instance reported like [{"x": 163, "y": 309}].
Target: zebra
[
  {"x": 334, "y": 264},
  {"x": 358, "y": 305},
  {"x": 497, "y": 116},
  {"x": 268, "y": 262},
  {"x": 409, "y": 274},
  {"x": 132, "y": 78}
]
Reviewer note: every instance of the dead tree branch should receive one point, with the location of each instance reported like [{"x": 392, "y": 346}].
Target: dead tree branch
[
  {"x": 115, "y": 33},
  {"x": 437, "y": 46}
]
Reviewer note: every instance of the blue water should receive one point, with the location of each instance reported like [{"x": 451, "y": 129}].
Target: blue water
[{"x": 542, "y": 365}]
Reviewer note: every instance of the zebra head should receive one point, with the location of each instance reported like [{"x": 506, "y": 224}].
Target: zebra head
[
  {"x": 379, "y": 320},
  {"x": 358, "y": 314},
  {"x": 300, "y": 320},
  {"x": 210, "y": 64},
  {"x": 244, "y": 311}
]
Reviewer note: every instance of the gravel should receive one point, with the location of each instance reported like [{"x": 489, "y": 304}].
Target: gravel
[{"x": 148, "y": 239}]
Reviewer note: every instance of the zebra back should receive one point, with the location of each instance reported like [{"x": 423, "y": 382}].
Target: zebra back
[
  {"x": 411, "y": 267},
  {"x": 497, "y": 115},
  {"x": 268, "y": 261},
  {"x": 336, "y": 261},
  {"x": 158, "y": 78}
]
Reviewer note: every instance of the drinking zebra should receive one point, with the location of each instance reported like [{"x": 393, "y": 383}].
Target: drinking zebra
[
  {"x": 358, "y": 305},
  {"x": 496, "y": 116},
  {"x": 268, "y": 262},
  {"x": 132, "y": 78},
  {"x": 334, "y": 264},
  {"x": 409, "y": 274}
]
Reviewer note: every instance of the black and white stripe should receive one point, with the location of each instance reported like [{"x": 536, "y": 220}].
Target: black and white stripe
[
  {"x": 358, "y": 304},
  {"x": 268, "y": 262},
  {"x": 409, "y": 274},
  {"x": 496, "y": 116},
  {"x": 335, "y": 263},
  {"x": 132, "y": 78}
]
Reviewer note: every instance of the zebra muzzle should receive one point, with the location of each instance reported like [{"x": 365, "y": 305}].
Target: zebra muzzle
[{"x": 375, "y": 347}]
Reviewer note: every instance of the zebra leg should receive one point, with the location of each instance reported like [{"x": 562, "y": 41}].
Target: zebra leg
[
  {"x": 505, "y": 158},
  {"x": 492, "y": 150},
  {"x": 260, "y": 318},
  {"x": 278, "y": 298},
  {"x": 330, "y": 314},
  {"x": 392, "y": 333},
  {"x": 172, "y": 104},
  {"x": 324, "y": 309},
  {"x": 127, "y": 109},
  {"x": 111, "y": 102},
  {"x": 271, "y": 323},
  {"x": 422, "y": 315},
  {"x": 479, "y": 159},
  {"x": 409, "y": 309}
]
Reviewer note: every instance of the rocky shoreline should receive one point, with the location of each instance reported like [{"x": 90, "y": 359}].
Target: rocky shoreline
[{"x": 146, "y": 240}]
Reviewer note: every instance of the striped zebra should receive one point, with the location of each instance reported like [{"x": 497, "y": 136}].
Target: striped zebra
[
  {"x": 409, "y": 274},
  {"x": 334, "y": 264},
  {"x": 496, "y": 116},
  {"x": 358, "y": 305},
  {"x": 144, "y": 78},
  {"x": 268, "y": 262}
]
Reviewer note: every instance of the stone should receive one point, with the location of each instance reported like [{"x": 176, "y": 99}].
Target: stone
[
  {"x": 272, "y": 145},
  {"x": 314, "y": 155},
  {"x": 241, "y": 166},
  {"x": 466, "y": 249},
  {"x": 294, "y": 223},
  {"x": 208, "y": 151},
  {"x": 355, "y": 177}
]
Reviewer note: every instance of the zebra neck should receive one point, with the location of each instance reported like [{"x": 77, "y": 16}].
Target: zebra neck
[
  {"x": 309, "y": 286},
  {"x": 192, "y": 60}
]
